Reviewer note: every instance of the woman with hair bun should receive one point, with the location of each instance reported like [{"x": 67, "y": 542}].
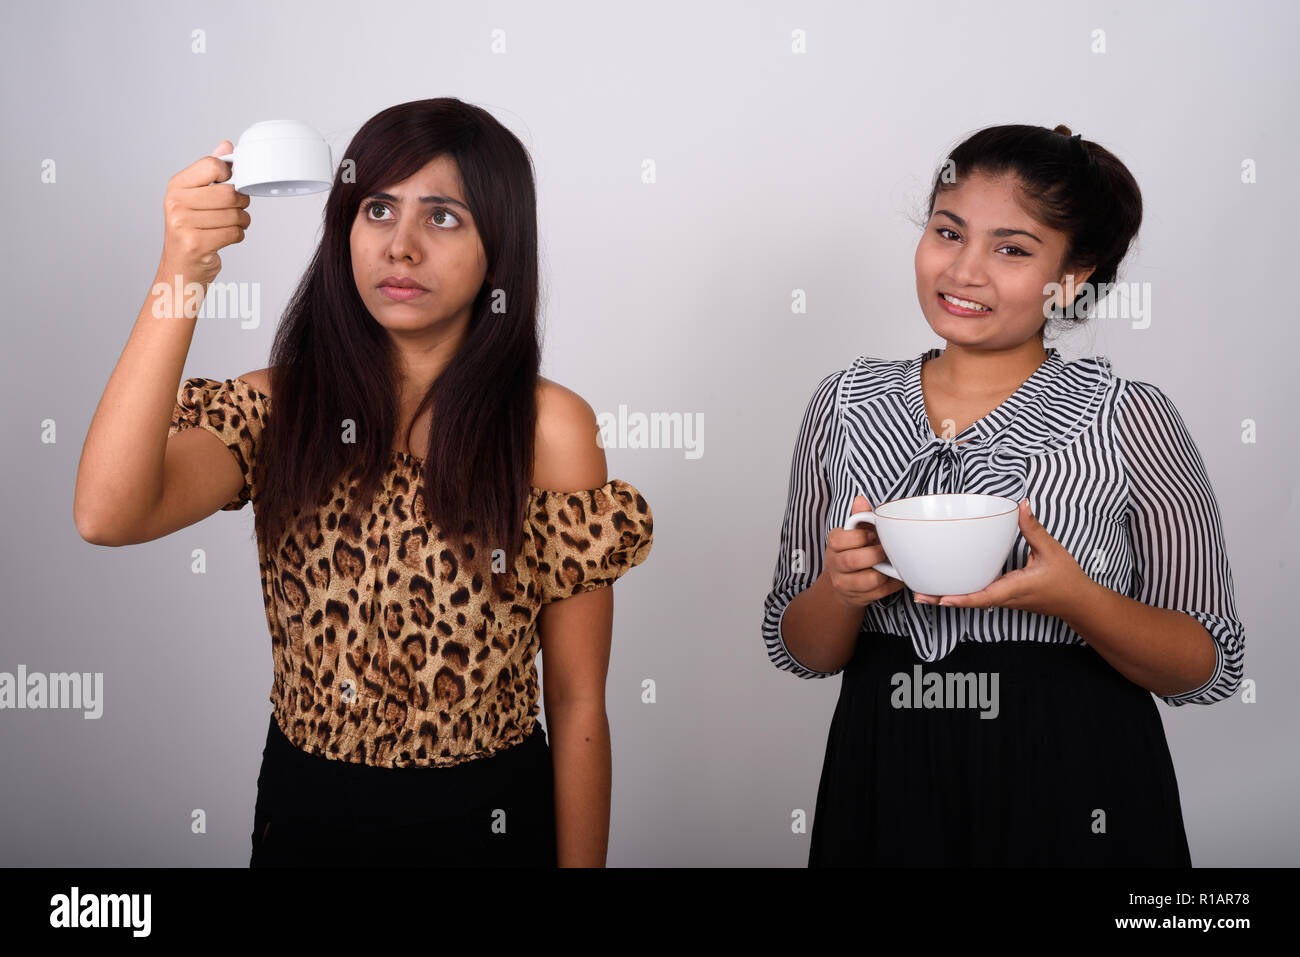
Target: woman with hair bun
[{"x": 1118, "y": 585}]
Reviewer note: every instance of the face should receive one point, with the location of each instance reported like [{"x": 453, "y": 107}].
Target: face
[
  {"x": 981, "y": 246},
  {"x": 435, "y": 243}
]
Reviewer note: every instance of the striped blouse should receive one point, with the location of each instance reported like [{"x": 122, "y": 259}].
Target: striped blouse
[{"x": 1110, "y": 470}]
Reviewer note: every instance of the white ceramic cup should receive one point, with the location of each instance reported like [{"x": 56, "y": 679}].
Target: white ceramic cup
[
  {"x": 280, "y": 158},
  {"x": 950, "y": 544}
]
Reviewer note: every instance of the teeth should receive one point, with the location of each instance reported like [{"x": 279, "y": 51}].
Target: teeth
[{"x": 964, "y": 303}]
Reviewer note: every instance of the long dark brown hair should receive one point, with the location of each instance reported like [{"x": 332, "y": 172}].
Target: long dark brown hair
[
  {"x": 331, "y": 361},
  {"x": 1071, "y": 184}
]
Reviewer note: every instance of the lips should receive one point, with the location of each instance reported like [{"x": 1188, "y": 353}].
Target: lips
[{"x": 400, "y": 282}]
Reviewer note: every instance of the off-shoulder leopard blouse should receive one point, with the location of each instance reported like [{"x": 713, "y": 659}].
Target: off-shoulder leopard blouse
[{"x": 386, "y": 652}]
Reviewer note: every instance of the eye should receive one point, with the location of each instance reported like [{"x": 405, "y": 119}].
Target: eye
[
  {"x": 944, "y": 229},
  {"x": 438, "y": 211},
  {"x": 445, "y": 213}
]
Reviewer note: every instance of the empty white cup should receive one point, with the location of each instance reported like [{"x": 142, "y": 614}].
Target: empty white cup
[
  {"x": 280, "y": 158},
  {"x": 951, "y": 544}
]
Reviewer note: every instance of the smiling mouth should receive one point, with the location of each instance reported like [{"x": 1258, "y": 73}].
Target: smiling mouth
[{"x": 968, "y": 305}]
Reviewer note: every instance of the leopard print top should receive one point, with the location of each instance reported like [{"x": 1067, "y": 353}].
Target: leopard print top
[{"x": 387, "y": 653}]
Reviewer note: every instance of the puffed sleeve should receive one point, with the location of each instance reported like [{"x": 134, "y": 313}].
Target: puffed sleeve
[
  {"x": 234, "y": 412},
  {"x": 1180, "y": 561},
  {"x": 806, "y": 524},
  {"x": 587, "y": 539}
]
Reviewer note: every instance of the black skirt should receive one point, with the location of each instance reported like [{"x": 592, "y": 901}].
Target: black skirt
[
  {"x": 496, "y": 811},
  {"x": 1073, "y": 770}
]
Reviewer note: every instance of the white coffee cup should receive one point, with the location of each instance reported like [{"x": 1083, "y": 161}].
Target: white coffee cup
[
  {"x": 280, "y": 158},
  {"x": 951, "y": 544}
]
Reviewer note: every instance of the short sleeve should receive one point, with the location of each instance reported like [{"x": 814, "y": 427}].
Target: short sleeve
[
  {"x": 588, "y": 539},
  {"x": 234, "y": 412},
  {"x": 806, "y": 525},
  {"x": 1179, "y": 557}
]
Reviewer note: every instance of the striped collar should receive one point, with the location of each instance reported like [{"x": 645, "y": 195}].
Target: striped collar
[
  {"x": 1044, "y": 381},
  {"x": 1056, "y": 387}
]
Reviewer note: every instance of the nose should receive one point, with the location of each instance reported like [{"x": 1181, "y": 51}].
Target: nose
[
  {"x": 967, "y": 267},
  {"x": 405, "y": 241}
]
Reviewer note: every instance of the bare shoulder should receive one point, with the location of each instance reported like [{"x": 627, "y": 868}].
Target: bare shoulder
[
  {"x": 259, "y": 380},
  {"x": 569, "y": 456}
]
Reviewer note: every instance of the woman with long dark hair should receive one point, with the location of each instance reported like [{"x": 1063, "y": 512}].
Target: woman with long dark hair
[
  {"x": 1117, "y": 587},
  {"x": 430, "y": 512}
]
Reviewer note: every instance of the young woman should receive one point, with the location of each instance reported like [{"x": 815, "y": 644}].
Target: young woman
[
  {"x": 1118, "y": 585},
  {"x": 430, "y": 512}
]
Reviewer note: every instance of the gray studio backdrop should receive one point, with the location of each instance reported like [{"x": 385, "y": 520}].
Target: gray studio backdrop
[{"x": 775, "y": 171}]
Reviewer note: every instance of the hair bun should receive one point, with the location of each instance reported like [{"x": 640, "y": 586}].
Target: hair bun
[{"x": 1062, "y": 129}]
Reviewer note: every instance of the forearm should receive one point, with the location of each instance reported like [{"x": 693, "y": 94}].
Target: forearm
[
  {"x": 819, "y": 630},
  {"x": 580, "y": 753},
  {"x": 1167, "y": 652},
  {"x": 119, "y": 477}
]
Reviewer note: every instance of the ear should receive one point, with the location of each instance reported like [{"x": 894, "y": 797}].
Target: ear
[{"x": 1080, "y": 277}]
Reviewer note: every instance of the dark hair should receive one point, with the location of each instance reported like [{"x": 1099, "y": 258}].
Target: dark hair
[
  {"x": 1066, "y": 182},
  {"x": 331, "y": 361}
]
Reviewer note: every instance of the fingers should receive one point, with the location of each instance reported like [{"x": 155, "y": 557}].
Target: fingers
[
  {"x": 867, "y": 586},
  {"x": 206, "y": 170},
  {"x": 217, "y": 196},
  {"x": 861, "y": 559},
  {"x": 212, "y": 218},
  {"x": 856, "y": 560},
  {"x": 860, "y": 504},
  {"x": 842, "y": 539}
]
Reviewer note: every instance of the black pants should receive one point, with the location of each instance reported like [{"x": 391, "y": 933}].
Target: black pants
[
  {"x": 1073, "y": 771},
  {"x": 497, "y": 811}
]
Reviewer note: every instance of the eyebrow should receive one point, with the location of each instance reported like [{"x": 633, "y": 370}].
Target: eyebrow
[
  {"x": 423, "y": 199},
  {"x": 1000, "y": 233}
]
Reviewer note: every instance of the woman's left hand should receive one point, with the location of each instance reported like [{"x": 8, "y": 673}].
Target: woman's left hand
[{"x": 1050, "y": 582}]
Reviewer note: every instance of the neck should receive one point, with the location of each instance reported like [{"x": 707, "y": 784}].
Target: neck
[
  {"x": 421, "y": 359},
  {"x": 977, "y": 372}
]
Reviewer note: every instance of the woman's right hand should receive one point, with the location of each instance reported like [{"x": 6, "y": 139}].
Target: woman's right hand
[
  {"x": 202, "y": 213},
  {"x": 850, "y": 555}
]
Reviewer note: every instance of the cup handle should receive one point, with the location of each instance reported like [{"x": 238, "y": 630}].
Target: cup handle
[{"x": 869, "y": 518}]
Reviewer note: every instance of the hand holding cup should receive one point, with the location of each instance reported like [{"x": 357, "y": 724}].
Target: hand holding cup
[
  {"x": 201, "y": 214},
  {"x": 851, "y": 554}
]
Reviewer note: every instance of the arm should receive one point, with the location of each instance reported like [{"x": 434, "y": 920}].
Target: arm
[
  {"x": 806, "y": 630},
  {"x": 1167, "y": 652},
  {"x": 576, "y": 638},
  {"x": 120, "y": 475},
  {"x": 1177, "y": 631},
  {"x": 123, "y": 470},
  {"x": 576, "y": 634},
  {"x": 819, "y": 631}
]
